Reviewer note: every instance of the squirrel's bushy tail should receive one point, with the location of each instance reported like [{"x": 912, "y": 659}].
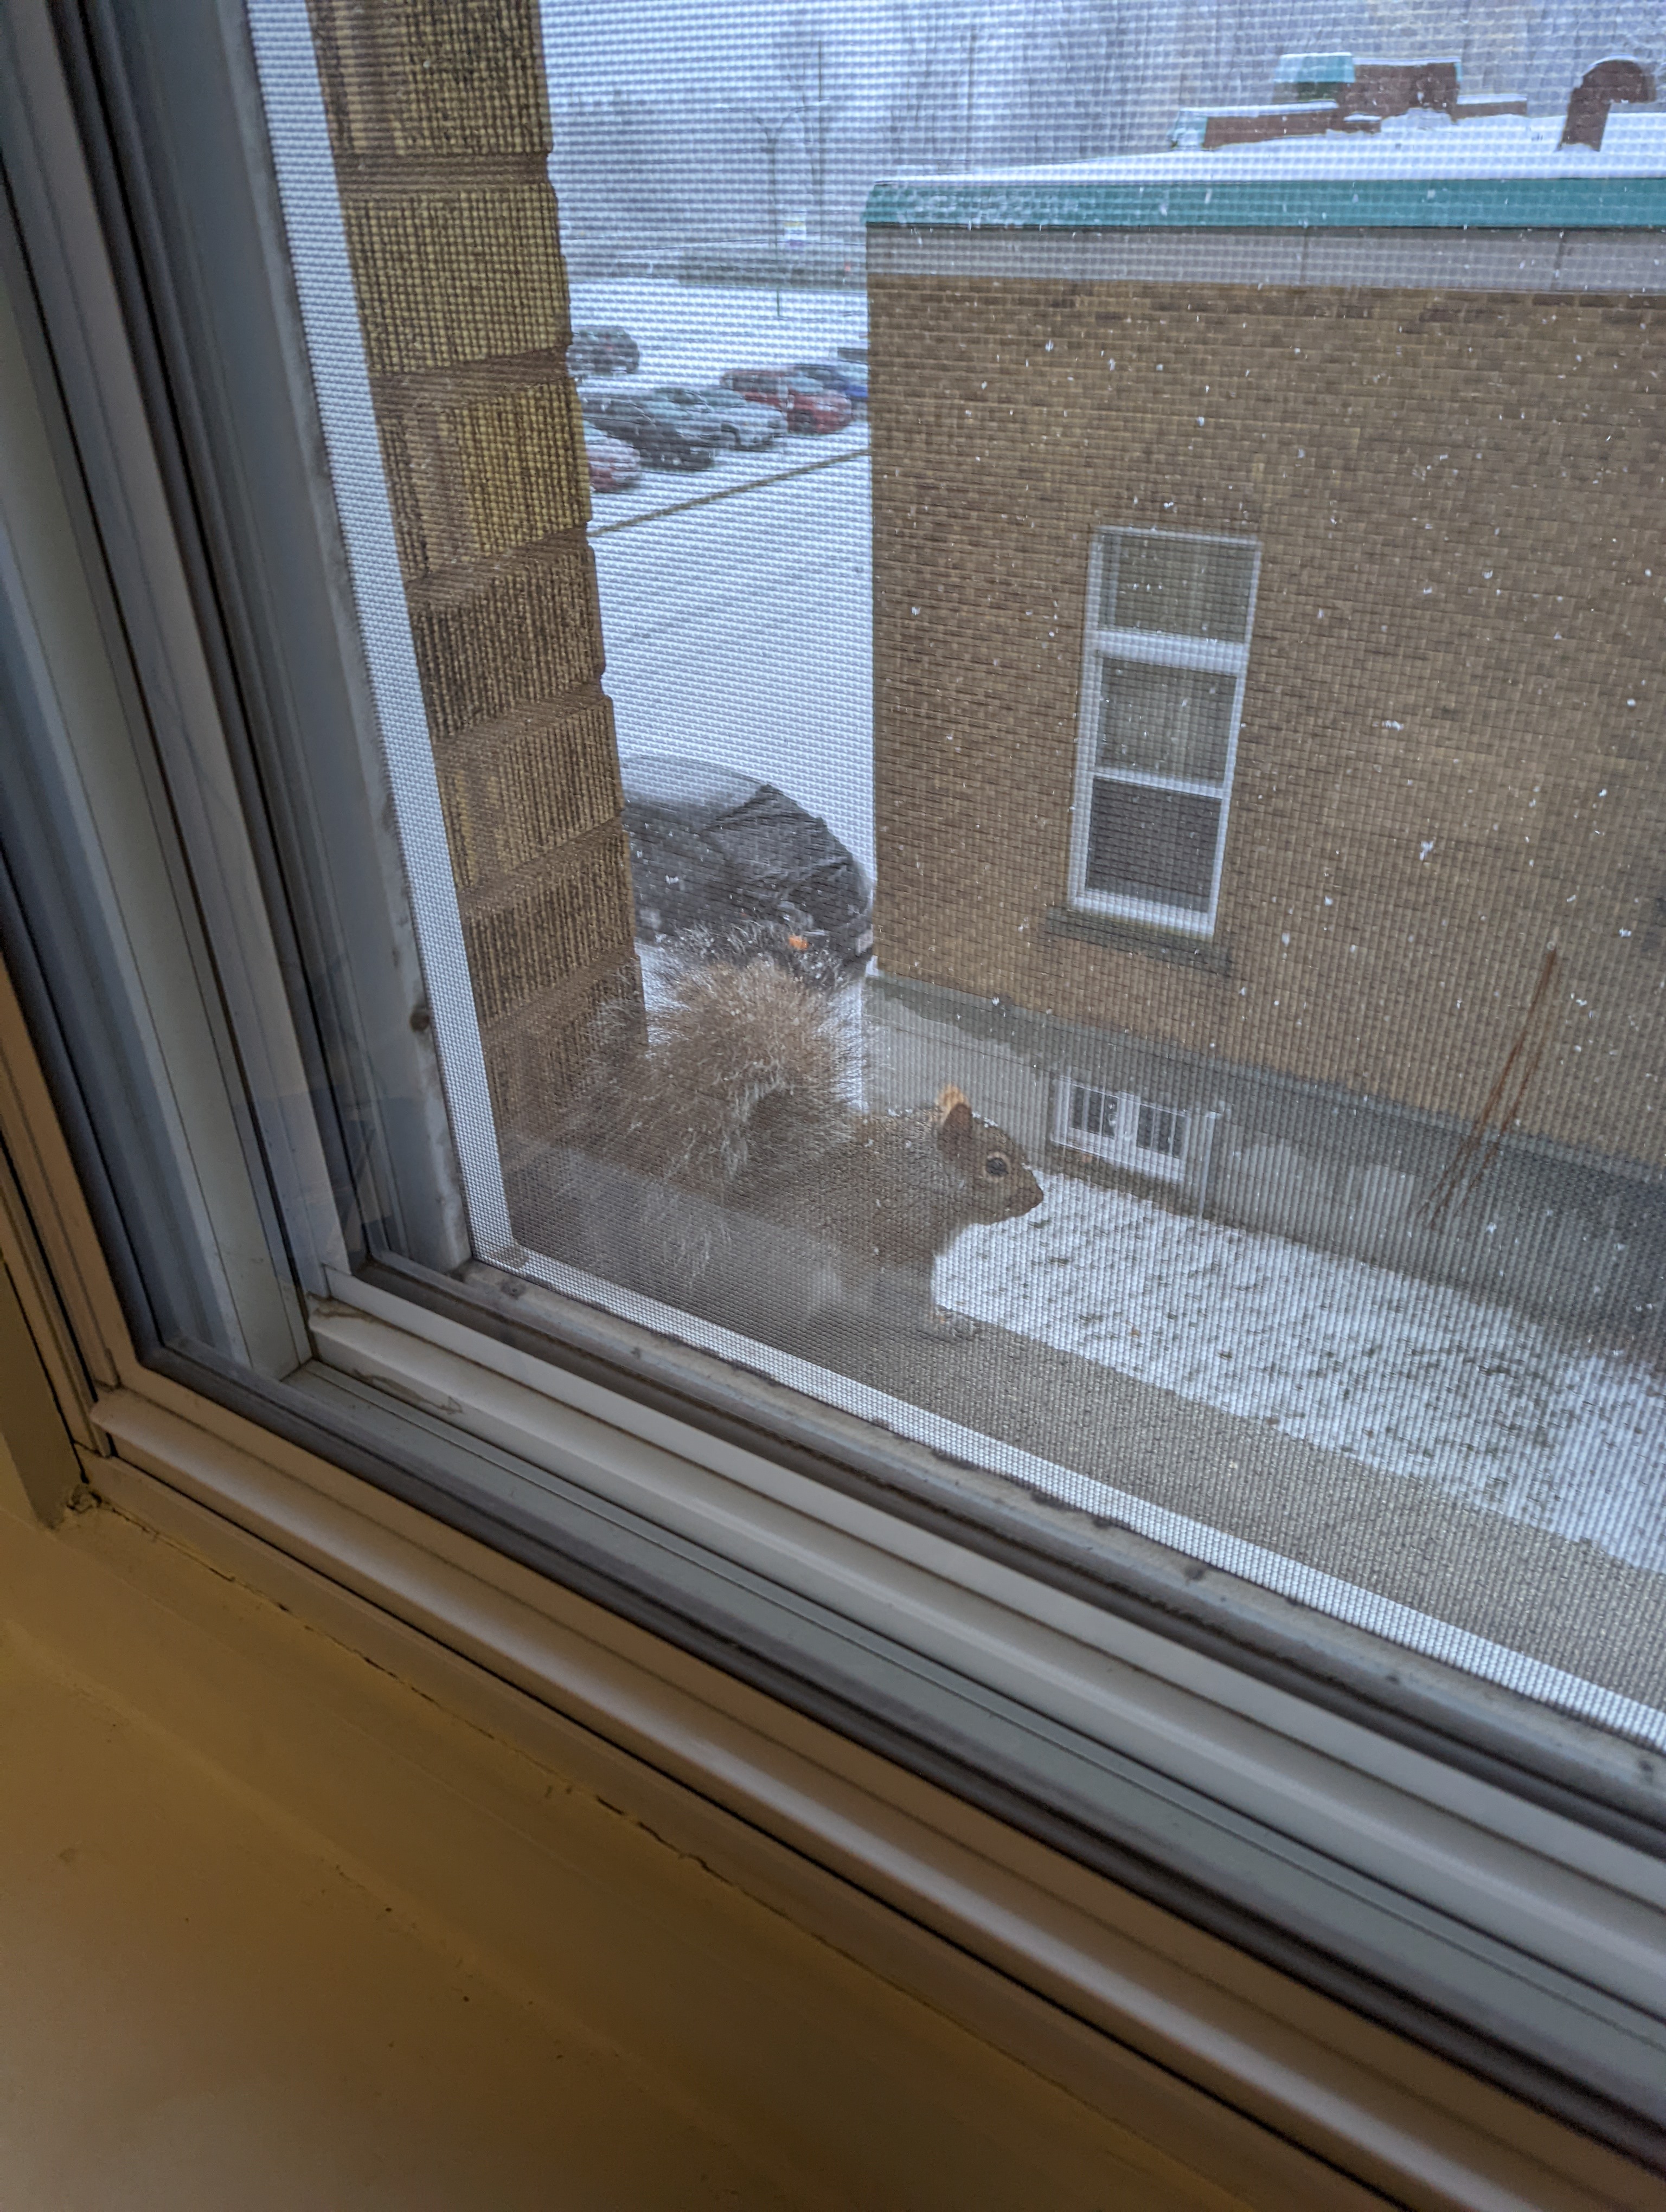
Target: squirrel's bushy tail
[
  {"x": 741, "y": 1081},
  {"x": 746, "y": 1076}
]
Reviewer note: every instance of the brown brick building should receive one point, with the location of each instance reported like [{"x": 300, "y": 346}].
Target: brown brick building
[
  {"x": 1270, "y": 673},
  {"x": 440, "y": 129}
]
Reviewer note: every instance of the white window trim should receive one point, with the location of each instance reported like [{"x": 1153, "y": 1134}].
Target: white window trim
[
  {"x": 1160, "y": 650},
  {"x": 300, "y": 140}
]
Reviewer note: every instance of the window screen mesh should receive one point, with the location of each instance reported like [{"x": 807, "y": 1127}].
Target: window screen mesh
[{"x": 837, "y": 979}]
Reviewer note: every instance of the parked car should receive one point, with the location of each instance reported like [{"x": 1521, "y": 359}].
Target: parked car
[
  {"x": 601, "y": 349},
  {"x": 848, "y": 377},
  {"x": 715, "y": 850},
  {"x": 667, "y": 437},
  {"x": 613, "y": 465},
  {"x": 806, "y": 405},
  {"x": 739, "y": 422}
]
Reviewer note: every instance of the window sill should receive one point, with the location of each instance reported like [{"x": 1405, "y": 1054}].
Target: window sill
[
  {"x": 950, "y": 1648},
  {"x": 1237, "y": 2070},
  {"x": 1212, "y": 955}
]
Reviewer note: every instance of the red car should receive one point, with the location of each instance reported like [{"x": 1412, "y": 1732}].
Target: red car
[
  {"x": 613, "y": 465},
  {"x": 807, "y": 404}
]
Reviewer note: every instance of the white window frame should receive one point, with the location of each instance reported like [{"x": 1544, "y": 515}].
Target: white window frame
[
  {"x": 1158, "y": 649},
  {"x": 1123, "y": 1147}
]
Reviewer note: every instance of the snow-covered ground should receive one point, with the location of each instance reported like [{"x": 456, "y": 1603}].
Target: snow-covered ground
[
  {"x": 739, "y": 631},
  {"x": 1406, "y": 1375}
]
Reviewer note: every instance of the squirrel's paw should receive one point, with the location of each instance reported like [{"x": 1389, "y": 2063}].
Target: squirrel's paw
[{"x": 955, "y": 1326}]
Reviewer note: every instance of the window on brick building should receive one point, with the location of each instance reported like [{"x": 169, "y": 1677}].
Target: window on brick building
[
  {"x": 1137, "y": 1133},
  {"x": 1167, "y": 646}
]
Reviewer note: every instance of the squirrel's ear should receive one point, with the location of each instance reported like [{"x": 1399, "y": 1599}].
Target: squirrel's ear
[{"x": 954, "y": 1116}]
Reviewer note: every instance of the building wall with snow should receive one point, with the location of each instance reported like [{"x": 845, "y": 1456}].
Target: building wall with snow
[{"x": 1445, "y": 441}]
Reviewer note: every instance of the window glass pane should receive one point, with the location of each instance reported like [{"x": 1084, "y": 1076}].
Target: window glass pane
[
  {"x": 1092, "y": 1112},
  {"x": 1184, "y": 585},
  {"x": 813, "y": 985},
  {"x": 1165, "y": 721},
  {"x": 1158, "y": 846},
  {"x": 1162, "y": 1130}
]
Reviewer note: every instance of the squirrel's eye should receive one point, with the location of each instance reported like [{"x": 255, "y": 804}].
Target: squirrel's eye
[{"x": 996, "y": 1165}]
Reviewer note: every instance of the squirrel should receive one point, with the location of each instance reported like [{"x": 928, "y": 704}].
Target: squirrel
[{"x": 720, "y": 1162}]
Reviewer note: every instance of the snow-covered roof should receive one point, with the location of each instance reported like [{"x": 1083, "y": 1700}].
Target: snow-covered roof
[{"x": 1419, "y": 171}]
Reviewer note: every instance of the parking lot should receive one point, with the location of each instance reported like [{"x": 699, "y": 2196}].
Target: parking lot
[
  {"x": 670, "y": 491},
  {"x": 691, "y": 334}
]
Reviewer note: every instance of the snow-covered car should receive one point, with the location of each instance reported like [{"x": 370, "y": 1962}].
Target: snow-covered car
[
  {"x": 740, "y": 422},
  {"x": 807, "y": 404},
  {"x": 602, "y": 349},
  {"x": 714, "y": 849},
  {"x": 613, "y": 465},
  {"x": 849, "y": 378},
  {"x": 667, "y": 437}
]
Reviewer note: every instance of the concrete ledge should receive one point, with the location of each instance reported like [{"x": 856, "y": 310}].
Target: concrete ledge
[
  {"x": 1213, "y": 954},
  {"x": 1562, "y": 1234}
]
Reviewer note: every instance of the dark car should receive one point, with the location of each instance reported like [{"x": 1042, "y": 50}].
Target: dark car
[
  {"x": 848, "y": 377},
  {"x": 807, "y": 404},
  {"x": 602, "y": 349},
  {"x": 740, "y": 422},
  {"x": 613, "y": 466},
  {"x": 667, "y": 437},
  {"x": 715, "y": 850}
]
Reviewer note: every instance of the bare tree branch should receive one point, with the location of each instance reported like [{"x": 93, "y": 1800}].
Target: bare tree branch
[{"x": 808, "y": 75}]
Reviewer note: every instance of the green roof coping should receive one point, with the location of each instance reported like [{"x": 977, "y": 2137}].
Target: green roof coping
[{"x": 1601, "y": 203}]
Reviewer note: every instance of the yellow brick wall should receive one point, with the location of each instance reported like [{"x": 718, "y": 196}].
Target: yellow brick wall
[
  {"x": 440, "y": 129},
  {"x": 1459, "y": 499}
]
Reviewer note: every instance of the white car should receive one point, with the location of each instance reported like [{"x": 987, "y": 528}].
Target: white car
[{"x": 740, "y": 422}]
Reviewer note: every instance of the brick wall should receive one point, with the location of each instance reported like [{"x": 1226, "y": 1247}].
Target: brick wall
[
  {"x": 1452, "y": 741},
  {"x": 440, "y": 126}
]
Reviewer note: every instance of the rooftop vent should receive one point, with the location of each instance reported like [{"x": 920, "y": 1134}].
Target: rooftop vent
[
  {"x": 1317, "y": 91},
  {"x": 1209, "y": 127},
  {"x": 1385, "y": 89},
  {"x": 1618, "y": 78}
]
